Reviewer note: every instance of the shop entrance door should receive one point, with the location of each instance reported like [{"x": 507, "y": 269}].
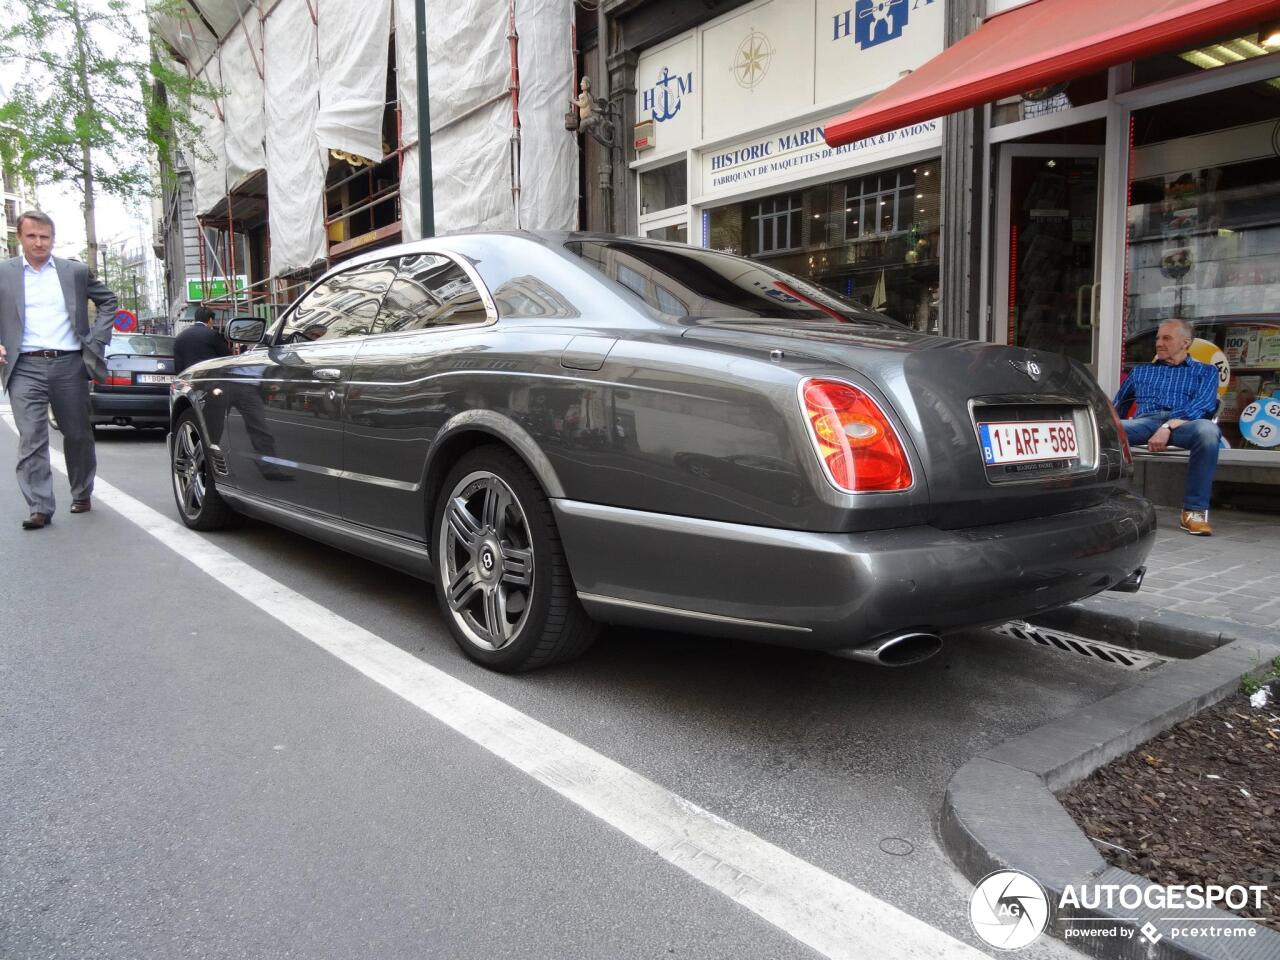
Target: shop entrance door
[{"x": 1047, "y": 230}]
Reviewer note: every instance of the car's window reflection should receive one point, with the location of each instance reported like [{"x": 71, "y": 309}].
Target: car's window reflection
[
  {"x": 430, "y": 291},
  {"x": 691, "y": 282},
  {"x": 344, "y": 305}
]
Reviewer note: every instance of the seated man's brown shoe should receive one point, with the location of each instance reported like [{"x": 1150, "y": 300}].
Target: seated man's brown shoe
[
  {"x": 36, "y": 521},
  {"x": 1196, "y": 523},
  {"x": 81, "y": 506}
]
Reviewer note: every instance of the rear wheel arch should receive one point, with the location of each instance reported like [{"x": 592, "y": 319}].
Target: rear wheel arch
[{"x": 478, "y": 428}]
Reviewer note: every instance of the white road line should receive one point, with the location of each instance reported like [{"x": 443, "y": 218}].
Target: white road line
[{"x": 833, "y": 917}]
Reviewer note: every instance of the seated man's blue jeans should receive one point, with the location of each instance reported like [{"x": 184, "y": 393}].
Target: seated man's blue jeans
[{"x": 1199, "y": 438}]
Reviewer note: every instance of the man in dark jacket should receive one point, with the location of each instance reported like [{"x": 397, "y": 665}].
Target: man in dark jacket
[{"x": 199, "y": 342}]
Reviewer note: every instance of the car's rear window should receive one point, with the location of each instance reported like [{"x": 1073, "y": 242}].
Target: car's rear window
[
  {"x": 691, "y": 282},
  {"x": 140, "y": 345}
]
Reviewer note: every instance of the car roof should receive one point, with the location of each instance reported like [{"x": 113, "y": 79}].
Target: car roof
[{"x": 451, "y": 242}]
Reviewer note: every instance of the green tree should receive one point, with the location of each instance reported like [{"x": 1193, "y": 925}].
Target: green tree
[{"x": 87, "y": 107}]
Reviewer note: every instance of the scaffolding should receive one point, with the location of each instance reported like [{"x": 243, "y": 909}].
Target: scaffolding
[{"x": 486, "y": 53}]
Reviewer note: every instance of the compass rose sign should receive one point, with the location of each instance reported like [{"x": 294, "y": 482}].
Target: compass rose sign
[{"x": 752, "y": 60}]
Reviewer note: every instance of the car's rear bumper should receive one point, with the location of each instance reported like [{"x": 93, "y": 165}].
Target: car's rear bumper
[
  {"x": 149, "y": 408},
  {"x": 836, "y": 590}
]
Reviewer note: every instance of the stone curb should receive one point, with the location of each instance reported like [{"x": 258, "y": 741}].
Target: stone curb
[{"x": 1000, "y": 811}]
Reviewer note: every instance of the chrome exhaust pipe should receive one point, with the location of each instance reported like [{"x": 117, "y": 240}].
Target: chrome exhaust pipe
[
  {"x": 1132, "y": 583},
  {"x": 901, "y": 650}
]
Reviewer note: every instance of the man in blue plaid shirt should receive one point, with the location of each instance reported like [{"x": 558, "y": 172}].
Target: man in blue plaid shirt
[{"x": 1176, "y": 396}]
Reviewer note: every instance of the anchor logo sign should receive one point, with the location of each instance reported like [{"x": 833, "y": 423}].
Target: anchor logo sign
[{"x": 663, "y": 100}]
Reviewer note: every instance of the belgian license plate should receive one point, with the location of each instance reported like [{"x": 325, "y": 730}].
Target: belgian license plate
[
  {"x": 1028, "y": 442},
  {"x": 154, "y": 378}
]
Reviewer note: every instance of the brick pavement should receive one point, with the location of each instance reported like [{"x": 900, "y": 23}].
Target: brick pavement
[{"x": 1233, "y": 575}]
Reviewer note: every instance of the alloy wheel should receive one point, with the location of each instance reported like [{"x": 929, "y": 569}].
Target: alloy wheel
[
  {"x": 189, "y": 481},
  {"x": 486, "y": 557}
]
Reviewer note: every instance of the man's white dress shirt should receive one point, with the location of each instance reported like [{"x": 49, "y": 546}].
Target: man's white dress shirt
[{"x": 48, "y": 325}]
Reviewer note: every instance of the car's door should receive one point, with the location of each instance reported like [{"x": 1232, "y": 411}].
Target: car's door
[
  {"x": 284, "y": 422},
  {"x": 432, "y": 317}
]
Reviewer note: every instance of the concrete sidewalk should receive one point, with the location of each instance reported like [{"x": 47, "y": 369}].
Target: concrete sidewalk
[{"x": 1231, "y": 577}]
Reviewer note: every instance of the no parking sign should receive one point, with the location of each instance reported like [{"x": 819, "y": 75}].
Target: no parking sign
[{"x": 126, "y": 321}]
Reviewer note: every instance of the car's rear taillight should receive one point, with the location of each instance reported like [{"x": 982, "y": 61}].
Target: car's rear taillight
[
  {"x": 1124, "y": 438},
  {"x": 119, "y": 380},
  {"x": 853, "y": 437}
]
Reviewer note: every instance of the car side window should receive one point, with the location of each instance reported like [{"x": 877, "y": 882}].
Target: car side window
[
  {"x": 343, "y": 305},
  {"x": 430, "y": 291}
]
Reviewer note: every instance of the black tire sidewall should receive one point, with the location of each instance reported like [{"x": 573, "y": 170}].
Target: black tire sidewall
[{"x": 516, "y": 655}]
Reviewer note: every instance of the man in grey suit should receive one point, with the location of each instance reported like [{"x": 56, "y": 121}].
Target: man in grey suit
[{"x": 48, "y": 352}]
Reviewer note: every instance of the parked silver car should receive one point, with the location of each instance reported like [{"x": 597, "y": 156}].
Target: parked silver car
[{"x": 569, "y": 429}]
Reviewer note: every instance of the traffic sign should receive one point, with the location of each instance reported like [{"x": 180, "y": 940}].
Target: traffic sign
[{"x": 126, "y": 321}]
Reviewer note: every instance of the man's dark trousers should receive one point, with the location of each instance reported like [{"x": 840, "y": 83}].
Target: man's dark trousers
[{"x": 61, "y": 383}]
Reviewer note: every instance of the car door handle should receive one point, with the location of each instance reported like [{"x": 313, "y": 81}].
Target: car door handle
[{"x": 328, "y": 373}]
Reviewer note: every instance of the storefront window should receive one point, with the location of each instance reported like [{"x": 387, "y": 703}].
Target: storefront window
[
  {"x": 872, "y": 238},
  {"x": 775, "y": 224},
  {"x": 1054, "y": 99},
  {"x": 663, "y": 188},
  {"x": 1204, "y": 240},
  {"x": 1208, "y": 56},
  {"x": 676, "y": 232}
]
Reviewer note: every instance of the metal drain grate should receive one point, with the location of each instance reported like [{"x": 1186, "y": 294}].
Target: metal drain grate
[{"x": 1069, "y": 643}]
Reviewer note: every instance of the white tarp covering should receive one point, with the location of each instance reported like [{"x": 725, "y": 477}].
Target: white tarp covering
[
  {"x": 470, "y": 71},
  {"x": 295, "y": 167},
  {"x": 188, "y": 32},
  {"x": 241, "y": 58},
  {"x": 224, "y": 14},
  {"x": 353, "y": 77},
  {"x": 407, "y": 91},
  {"x": 187, "y": 35},
  {"x": 208, "y": 155},
  {"x": 303, "y": 109},
  {"x": 548, "y": 152}
]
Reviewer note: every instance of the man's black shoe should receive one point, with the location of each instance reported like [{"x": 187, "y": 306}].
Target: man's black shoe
[{"x": 36, "y": 521}]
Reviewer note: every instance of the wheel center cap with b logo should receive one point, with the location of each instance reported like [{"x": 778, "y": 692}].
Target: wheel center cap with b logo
[{"x": 488, "y": 561}]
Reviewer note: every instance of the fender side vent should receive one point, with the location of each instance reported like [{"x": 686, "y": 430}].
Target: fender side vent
[
  {"x": 219, "y": 461},
  {"x": 1082, "y": 646}
]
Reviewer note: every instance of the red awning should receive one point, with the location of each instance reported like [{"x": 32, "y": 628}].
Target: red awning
[{"x": 1043, "y": 43}]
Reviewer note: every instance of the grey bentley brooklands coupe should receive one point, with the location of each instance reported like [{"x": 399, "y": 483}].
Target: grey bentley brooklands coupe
[{"x": 568, "y": 429}]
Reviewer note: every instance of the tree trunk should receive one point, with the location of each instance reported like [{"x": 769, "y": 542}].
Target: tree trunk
[{"x": 86, "y": 161}]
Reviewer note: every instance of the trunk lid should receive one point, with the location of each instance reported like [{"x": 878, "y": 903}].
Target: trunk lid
[{"x": 941, "y": 392}]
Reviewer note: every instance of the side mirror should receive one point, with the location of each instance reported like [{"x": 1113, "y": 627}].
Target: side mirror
[{"x": 246, "y": 330}]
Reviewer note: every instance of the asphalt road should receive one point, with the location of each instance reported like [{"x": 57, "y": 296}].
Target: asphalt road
[{"x": 185, "y": 775}]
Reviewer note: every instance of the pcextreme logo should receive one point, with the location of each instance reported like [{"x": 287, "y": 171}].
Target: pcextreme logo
[{"x": 1010, "y": 909}]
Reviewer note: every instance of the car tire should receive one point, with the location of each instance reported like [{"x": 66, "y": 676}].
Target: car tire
[
  {"x": 502, "y": 580},
  {"x": 200, "y": 505}
]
